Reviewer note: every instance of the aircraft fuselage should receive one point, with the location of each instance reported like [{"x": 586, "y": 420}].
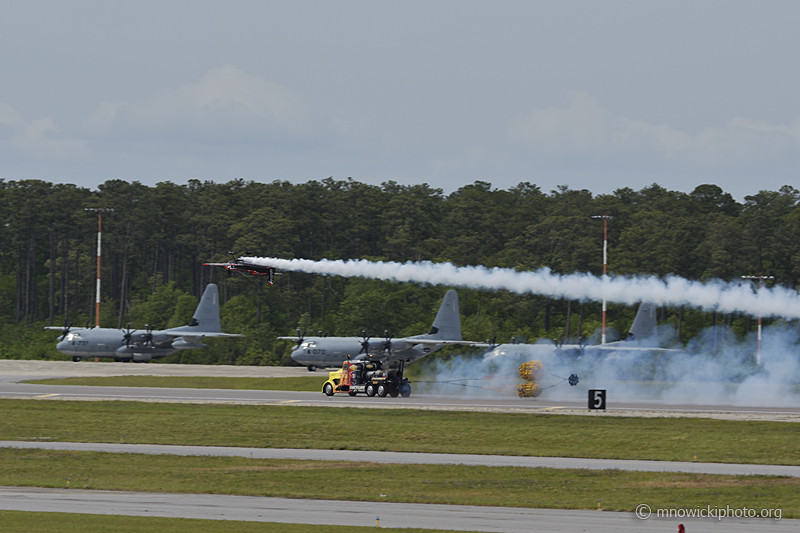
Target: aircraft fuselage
[
  {"x": 108, "y": 342},
  {"x": 332, "y": 351}
]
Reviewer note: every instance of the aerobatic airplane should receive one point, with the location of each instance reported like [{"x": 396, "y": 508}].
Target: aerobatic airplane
[
  {"x": 238, "y": 264},
  {"x": 144, "y": 345},
  {"x": 314, "y": 352}
]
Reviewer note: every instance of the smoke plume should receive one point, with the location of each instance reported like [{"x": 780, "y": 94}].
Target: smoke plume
[{"x": 670, "y": 291}]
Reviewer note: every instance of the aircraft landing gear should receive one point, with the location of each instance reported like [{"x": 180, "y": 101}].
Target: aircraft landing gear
[
  {"x": 312, "y": 368},
  {"x": 76, "y": 359}
]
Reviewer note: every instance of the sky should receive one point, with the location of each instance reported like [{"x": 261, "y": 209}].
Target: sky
[{"x": 592, "y": 95}]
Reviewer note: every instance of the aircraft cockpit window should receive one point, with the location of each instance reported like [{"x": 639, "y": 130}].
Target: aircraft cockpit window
[
  {"x": 72, "y": 337},
  {"x": 308, "y": 344}
]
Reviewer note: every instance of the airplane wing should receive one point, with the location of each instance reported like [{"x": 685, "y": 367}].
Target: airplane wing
[
  {"x": 434, "y": 342},
  {"x": 617, "y": 348},
  {"x": 175, "y": 333},
  {"x": 215, "y": 264}
]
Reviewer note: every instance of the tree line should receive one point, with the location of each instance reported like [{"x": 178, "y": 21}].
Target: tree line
[{"x": 156, "y": 238}]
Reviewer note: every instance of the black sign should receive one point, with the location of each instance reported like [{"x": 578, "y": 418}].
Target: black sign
[{"x": 597, "y": 399}]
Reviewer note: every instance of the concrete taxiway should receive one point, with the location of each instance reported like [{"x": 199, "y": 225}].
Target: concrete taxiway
[
  {"x": 348, "y": 513},
  {"x": 570, "y": 402},
  {"x": 468, "y": 518},
  {"x": 727, "y": 469}
]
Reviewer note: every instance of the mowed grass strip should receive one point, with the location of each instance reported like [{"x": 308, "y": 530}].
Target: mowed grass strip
[
  {"x": 660, "y": 439},
  {"x": 302, "y": 384},
  {"x": 438, "y": 484},
  {"x": 27, "y": 522}
]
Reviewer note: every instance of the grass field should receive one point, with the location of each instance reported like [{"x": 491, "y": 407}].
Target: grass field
[
  {"x": 442, "y": 484},
  {"x": 303, "y": 384},
  {"x": 25, "y": 522},
  {"x": 663, "y": 439}
]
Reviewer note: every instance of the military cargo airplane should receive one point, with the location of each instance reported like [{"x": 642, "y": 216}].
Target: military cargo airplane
[
  {"x": 642, "y": 338},
  {"x": 314, "y": 352},
  {"x": 238, "y": 264},
  {"x": 144, "y": 345}
]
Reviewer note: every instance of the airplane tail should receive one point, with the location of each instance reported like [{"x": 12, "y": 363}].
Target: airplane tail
[
  {"x": 206, "y": 316},
  {"x": 645, "y": 327},
  {"x": 447, "y": 325}
]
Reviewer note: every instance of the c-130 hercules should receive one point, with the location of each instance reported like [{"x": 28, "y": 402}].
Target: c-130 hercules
[
  {"x": 142, "y": 346},
  {"x": 315, "y": 352}
]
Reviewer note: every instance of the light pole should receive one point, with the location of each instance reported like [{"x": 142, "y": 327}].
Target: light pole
[
  {"x": 760, "y": 279},
  {"x": 99, "y": 211},
  {"x": 605, "y": 219}
]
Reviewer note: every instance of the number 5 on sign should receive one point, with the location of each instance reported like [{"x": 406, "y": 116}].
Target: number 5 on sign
[{"x": 597, "y": 399}]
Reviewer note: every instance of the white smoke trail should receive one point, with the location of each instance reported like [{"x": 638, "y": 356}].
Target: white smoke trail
[
  {"x": 715, "y": 369},
  {"x": 671, "y": 291}
]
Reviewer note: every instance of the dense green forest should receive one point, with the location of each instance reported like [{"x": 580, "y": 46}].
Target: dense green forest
[{"x": 156, "y": 239}]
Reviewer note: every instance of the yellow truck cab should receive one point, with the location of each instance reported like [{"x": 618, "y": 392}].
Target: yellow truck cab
[{"x": 367, "y": 377}]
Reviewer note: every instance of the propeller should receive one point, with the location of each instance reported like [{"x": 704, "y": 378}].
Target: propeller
[
  {"x": 148, "y": 336},
  {"x": 127, "y": 337},
  {"x": 387, "y": 342},
  {"x": 65, "y": 330},
  {"x": 492, "y": 343},
  {"x": 365, "y": 343},
  {"x": 300, "y": 337}
]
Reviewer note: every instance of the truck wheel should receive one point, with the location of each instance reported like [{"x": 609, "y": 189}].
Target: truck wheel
[
  {"x": 328, "y": 389},
  {"x": 352, "y": 393},
  {"x": 383, "y": 390},
  {"x": 370, "y": 390},
  {"x": 394, "y": 392},
  {"x": 405, "y": 390}
]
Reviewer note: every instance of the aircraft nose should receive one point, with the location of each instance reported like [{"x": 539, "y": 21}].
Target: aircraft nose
[
  {"x": 295, "y": 355},
  {"x": 63, "y": 347}
]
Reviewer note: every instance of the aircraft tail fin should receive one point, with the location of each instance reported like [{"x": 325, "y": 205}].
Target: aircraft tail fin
[
  {"x": 645, "y": 326},
  {"x": 447, "y": 324},
  {"x": 206, "y": 316}
]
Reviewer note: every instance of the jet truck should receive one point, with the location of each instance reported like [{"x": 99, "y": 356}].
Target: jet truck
[{"x": 367, "y": 377}]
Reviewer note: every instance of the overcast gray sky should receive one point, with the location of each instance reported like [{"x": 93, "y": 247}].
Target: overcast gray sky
[{"x": 596, "y": 95}]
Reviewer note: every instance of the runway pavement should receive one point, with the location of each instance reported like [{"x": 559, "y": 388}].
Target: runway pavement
[
  {"x": 223, "y": 507},
  {"x": 16, "y": 370},
  {"x": 569, "y": 402},
  {"x": 402, "y": 515},
  {"x": 416, "y": 458}
]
